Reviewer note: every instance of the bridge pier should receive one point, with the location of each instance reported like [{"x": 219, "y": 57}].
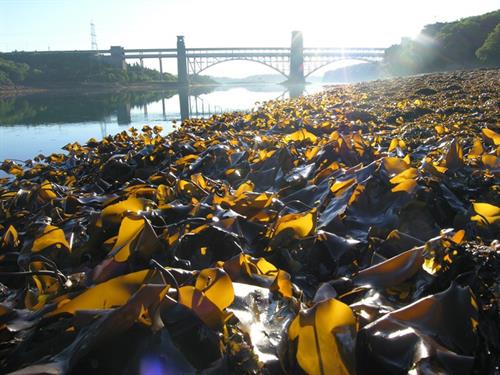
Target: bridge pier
[
  {"x": 296, "y": 59},
  {"x": 161, "y": 68},
  {"x": 182, "y": 73},
  {"x": 183, "y": 92},
  {"x": 296, "y": 90},
  {"x": 123, "y": 115},
  {"x": 117, "y": 57}
]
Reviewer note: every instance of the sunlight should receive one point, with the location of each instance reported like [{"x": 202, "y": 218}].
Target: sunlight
[
  {"x": 275, "y": 187},
  {"x": 425, "y": 39},
  {"x": 242, "y": 69}
]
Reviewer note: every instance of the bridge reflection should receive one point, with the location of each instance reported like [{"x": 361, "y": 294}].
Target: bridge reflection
[
  {"x": 192, "y": 104},
  {"x": 125, "y": 108}
]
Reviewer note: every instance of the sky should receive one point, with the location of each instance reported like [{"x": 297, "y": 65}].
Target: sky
[{"x": 65, "y": 24}]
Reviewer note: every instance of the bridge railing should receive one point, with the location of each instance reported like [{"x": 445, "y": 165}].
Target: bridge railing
[
  {"x": 249, "y": 52},
  {"x": 240, "y": 48},
  {"x": 222, "y": 52},
  {"x": 147, "y": 50},
  {"x": 344, "y": 54},
  {"x": 344, "y": 51},
  {"x": 83, "y": 52},
  {"x": 238, "y": 54},
  {"x": 218, "y": 52}
]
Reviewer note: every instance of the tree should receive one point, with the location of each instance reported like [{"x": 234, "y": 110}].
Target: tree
[
  {"x": 466, "y": 43},
  {"x": 13, "y": 72},
  {"x": 489, "y": 52}
]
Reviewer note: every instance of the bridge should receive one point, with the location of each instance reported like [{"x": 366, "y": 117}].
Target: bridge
[{"x": 295, "y": 63}]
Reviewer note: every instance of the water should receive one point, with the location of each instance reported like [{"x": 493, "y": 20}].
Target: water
[{"x": 42, "y": 124}]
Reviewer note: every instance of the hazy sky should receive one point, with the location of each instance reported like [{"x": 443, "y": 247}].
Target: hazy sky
[{"x": 65, "y": 24}]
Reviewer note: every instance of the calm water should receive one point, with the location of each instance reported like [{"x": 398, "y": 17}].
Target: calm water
[{"x": 42, "y": 124}]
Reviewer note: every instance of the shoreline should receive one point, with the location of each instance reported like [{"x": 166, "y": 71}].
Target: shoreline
[
  {"x": 87, "y": 88},
  {"x": 303, "y": 209},
  {"x": 108, "y": 88}
]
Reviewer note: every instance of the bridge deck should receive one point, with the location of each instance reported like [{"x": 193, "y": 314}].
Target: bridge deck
[{"x": 166, "y": 53}]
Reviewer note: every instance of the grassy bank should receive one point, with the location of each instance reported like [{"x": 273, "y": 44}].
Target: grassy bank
[{"x": 351, "y": 230}]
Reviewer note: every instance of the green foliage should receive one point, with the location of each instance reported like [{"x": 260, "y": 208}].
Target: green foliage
[
  {"x": 14, "y": 111},
  {"x": 43, "y": 109},
  {"x": 461, "y": 39},
  {"x": 11, "y": 72},
  {"x": 4, "y": 78},
  {"x": 442, "y": 46},
  {"x": 489, "y": 52},
  {"x": 202, "y": 80},
  {"x": 71, "y": 68},
  {"x": 136, "y": 73},
  {"x": 61, "y": 67}
]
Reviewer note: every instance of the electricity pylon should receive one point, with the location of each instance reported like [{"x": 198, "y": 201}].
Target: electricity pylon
[{"x": 93, "y": 37}]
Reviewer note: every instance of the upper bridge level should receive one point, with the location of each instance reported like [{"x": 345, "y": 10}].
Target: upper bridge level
[{"x": 295, "y": 63}]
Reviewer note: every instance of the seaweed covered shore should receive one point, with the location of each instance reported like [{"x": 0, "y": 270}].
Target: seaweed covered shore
[{"x": 351, "y": 231}]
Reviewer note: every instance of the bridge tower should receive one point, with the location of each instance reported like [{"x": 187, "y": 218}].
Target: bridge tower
[
  {"x": 296, "y": 58},
  {"x": 117, "y": 57},
  {"x": 182, "y": 74}
]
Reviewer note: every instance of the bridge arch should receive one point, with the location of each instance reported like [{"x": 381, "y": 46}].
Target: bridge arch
[
  {"x": 326, "y": 63},
  {"x": 211, "y": 64}
]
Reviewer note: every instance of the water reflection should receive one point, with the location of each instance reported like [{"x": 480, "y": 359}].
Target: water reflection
[
  {"x": 192, "y": 104},
  {"x": 184, "y": 101},
  {"x": 296, "y": 90},
  {"x": 60, "y": 109},
  {"x": 123, "y": 114},
  {"x": 63, "y": 109},
  {"x": 30, "y": 125}
]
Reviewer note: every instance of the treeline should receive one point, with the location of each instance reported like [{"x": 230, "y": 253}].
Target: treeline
[
  {"x": 33, "y": 69},
  {"x": 29, "y": 68},
  {"x": 468, "y": 43}
]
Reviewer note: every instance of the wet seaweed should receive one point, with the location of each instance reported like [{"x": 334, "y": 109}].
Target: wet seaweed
[{"x": 351, "y": 231}]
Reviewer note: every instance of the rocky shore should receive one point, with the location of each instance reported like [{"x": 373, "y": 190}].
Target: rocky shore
[{"x": 350, "y": 231}]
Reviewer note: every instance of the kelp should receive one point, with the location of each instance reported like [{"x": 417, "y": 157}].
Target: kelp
[{"x": 350, "y": 231}]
